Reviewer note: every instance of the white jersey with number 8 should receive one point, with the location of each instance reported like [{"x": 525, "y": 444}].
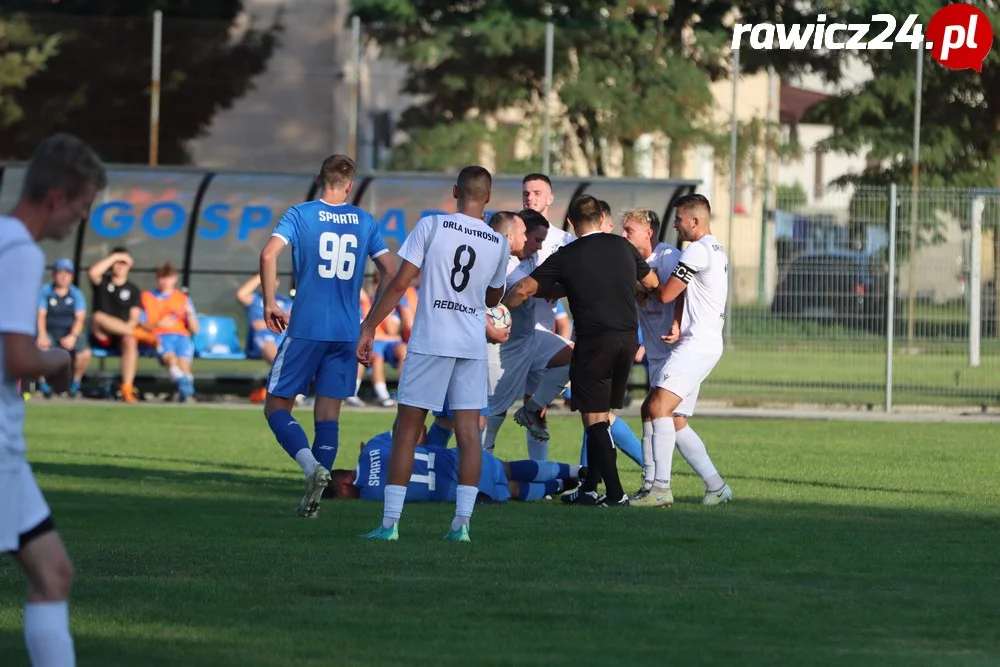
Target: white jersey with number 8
[{"x": 459, "y": 258}]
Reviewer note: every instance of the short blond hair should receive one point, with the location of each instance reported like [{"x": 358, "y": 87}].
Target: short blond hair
[{"x": 643, "y": 216}]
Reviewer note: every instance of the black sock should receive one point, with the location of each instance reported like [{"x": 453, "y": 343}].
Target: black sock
[{"x": 600, "y": 449}]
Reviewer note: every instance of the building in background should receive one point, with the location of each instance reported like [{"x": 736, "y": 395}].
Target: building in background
[{"x": 300, "y": 109}]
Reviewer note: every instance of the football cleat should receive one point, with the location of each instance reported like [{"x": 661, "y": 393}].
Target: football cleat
[
  {"x": 315, "y": 483},
  {"x": 718, "y": 497},
  {"x": 460, "y": 535},
  {"x": 534, "y": 422},
  {"x": 654, "y": 497},
  {"x": 384, "y": 534}
]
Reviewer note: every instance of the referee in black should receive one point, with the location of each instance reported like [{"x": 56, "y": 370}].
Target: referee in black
[{"x": 598, "y": 274}]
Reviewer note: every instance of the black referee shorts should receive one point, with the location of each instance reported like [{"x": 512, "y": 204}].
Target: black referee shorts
[{"x": 600, "y": 370}]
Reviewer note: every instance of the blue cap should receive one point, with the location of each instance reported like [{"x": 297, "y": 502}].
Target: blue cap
[{"x": 64, "y": 264}]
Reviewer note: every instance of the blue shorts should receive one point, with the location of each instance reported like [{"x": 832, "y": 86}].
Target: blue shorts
[
  {"x": 387, "y": 350},
  {"x": 446, "y": 411},
  {"x": 333, "y": 366},
  {"x": 493, "y": 479},
  {"x": 258, "y": 339},
  {"x": 179, "y": 345}
]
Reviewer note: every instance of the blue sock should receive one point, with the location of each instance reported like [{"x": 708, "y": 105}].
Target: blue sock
[
  {"x": 583, "y": 450},
  {"x": 438, "y": 436},
  {"x": 533, "y": 491},
  {"x": 538, "y": 471},
  {"x": 288, "y": 432},
  {"x": 625, "y": 440},
  {"x": 325, "y": 443}
]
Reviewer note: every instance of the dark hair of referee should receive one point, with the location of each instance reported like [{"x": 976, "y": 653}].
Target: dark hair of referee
[{"x": 606, "y": 323}]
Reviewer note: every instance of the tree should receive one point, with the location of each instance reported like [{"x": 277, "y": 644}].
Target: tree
[
  {"x": 622, "y": 68},
  {"x": 98, "y": 86},
  {"x": 23, "y": 53},
  {"x": 960, "y": 124}
]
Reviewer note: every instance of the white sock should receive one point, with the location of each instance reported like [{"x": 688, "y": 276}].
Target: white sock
[
  {"x": 46, "y": 634},
  {"x": 465, "y": 501},
  {"x": 493, "y": 424},
  {"x": 663, "y": 451},
  {"x": 304, "y": 457},
  {"x": 648, "y": 466},
  {"x": 381, "y": 391},
  {"x": 694, "y": 452},
  {"x": 175, "y": 373},
  {"x": 552, "y": 384},
  {"x": 538, "y": 450},
  {"x": 395, "y": 496},
  {"x": 357, "y": 386},
  {"x": 574, "y": 471}
]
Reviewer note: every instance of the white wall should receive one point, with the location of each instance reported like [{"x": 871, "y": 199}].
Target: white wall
[{"x": 833, "y": 165}]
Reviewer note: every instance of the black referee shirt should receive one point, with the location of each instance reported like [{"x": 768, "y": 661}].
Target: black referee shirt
[{"x": 599, "y": 272}]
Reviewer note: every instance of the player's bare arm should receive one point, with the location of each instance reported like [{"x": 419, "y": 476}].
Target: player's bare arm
[
  {"x": 246, "y": 291},
  {"x": 191, "y": 318},
  {"x": 23, "y": 359},
  {"x": 386, "y": 266},
  {"x": 675, "y": 328},
  {"x": 97, "y": 271},
  {"x": 493, "y": 296},
  {"x": 385, "y": 304},
  {"x": 274, "y": 317},
  {"x": 523, "y": 289},
  {"x": 673, "y": 288},
  {"x": 134, "y": 315},
  {"x": 43, "y": 337},
  {"x": 79, "y": 322}
]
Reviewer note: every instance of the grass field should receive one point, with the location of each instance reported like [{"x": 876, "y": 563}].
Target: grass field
[
  {"x": 759, "y": 371},
  {"x": 847, "y": 544}
]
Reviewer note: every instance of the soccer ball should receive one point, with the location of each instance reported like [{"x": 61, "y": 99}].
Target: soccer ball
[{"x": 499, "y": 317}]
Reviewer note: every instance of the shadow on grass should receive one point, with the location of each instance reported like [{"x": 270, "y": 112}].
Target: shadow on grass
[
  {"x": 126, "y": 473},
  {"x": 201, "y": 463}
]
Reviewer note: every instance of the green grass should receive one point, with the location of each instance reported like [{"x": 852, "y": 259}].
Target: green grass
[{"x": 847, "y": 544}]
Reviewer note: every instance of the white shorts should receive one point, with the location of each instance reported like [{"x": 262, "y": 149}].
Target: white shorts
[
  {"x": 508, "y": 373},
  {"x": 22, "y": 506},
  {"x": 547, "y": 345},
  {"x": 682, "y": 374},
  {"x": 427, "y": 379}
]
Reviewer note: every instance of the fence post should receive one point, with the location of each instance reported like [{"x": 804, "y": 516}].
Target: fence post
[
  {"x": 890, "y": 311},
  {"x": 975, "y": 278}
]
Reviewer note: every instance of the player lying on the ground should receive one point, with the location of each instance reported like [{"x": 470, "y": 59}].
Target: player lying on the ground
[{"x": 435, "y": 476}]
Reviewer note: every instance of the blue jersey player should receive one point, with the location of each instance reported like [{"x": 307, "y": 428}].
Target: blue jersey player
[
  {"x": 435, "y": 476},
  {"x": 331, "y": 241}
]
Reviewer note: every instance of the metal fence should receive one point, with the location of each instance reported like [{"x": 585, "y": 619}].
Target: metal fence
[{"x": 861, "y": 312}]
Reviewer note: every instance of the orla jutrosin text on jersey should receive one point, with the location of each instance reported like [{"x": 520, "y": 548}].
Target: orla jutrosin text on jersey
[{"x": 481, "y": 233}]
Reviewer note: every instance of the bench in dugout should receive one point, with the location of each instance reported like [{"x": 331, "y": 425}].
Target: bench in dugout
[{"x": 217, "y": 340}]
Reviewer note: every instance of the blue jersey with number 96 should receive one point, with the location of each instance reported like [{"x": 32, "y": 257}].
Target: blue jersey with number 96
[{"x": 330, "y": 247}]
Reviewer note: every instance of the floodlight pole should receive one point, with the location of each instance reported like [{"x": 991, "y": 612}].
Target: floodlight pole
[
  {"x": 154, "y": 90},
  {"x": 547, "y": 136}
]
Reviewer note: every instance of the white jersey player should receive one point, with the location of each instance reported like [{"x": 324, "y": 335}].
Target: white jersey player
[
  {"x": 462, "y": 265},
  {"x": 511, "y": 362},
  {"x": 697, "y": 289},
  {"x": 60, "y": 183}
]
